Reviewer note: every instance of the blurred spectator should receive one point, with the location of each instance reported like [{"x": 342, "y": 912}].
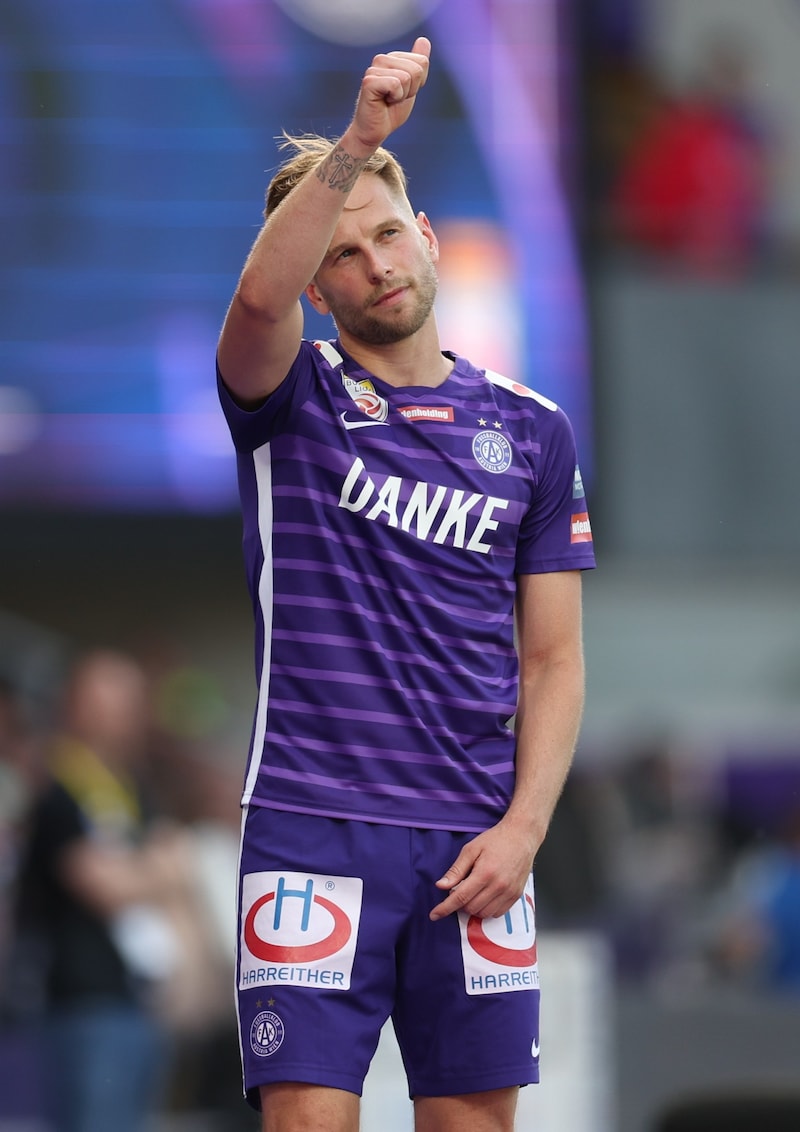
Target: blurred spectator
[
  {"x": 572, "y": 885},
  {"x": 199, "y": 1005},
  {"x": 20, "y": 767},
  {"x": 661, "y": 856},
  {"x": 19, "y": 778},
  {"x": 193, "y": 772},
  {"x": 754, "y": 931},
  {"x": 693, "y": 188},
  {"x": 625, "y": 99},
  {"x": 94, "y": 881}
]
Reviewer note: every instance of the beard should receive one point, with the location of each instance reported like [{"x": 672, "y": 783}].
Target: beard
[{"x": 384, "y": 328}]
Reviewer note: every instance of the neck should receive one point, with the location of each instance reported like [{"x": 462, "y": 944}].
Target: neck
[{"x": 417, "y": 360}]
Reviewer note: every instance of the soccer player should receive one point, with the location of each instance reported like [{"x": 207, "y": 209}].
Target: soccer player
[{"x": 403, "y": 509}]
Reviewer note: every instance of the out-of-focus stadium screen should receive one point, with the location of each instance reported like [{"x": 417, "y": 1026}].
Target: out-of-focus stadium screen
[{"x": 135, "y": 145}]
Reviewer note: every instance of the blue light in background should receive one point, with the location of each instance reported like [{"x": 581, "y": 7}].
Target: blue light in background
[{"x": 135, "y": 146}]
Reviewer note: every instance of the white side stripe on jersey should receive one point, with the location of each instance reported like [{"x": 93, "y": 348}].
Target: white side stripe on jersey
[{"x": 266, "y": 596}]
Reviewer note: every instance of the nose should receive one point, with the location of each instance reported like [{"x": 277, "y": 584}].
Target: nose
[{"x": 379, "y": 269}]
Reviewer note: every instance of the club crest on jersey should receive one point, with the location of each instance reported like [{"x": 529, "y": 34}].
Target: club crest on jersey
[
  {"x": 367, "y": 399},
  {"x": 492, "y": 451}
]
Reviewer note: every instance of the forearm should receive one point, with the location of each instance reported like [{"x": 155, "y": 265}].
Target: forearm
[
  {"x": 548, "y": 721},
  {"x": 491, "y": 871},
  {"x": 263, "y": 327},
  {"x": 108, "y": 879},
  {"x": 293, "y": 241}
]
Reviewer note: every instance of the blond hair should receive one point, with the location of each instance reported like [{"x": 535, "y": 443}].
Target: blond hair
[{"x": 310, "y": 150}]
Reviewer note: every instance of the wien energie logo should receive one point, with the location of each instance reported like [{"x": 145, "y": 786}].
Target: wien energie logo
[{"x": 580, "y": 528}]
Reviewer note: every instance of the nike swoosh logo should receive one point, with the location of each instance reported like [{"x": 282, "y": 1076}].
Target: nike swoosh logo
[
  {"x": 359, "y": 422},
  {"x": 535, "y": 1049}
]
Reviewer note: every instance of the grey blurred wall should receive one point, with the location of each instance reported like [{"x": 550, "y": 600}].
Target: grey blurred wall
[
  {"x": 698, "y": 408},
  {"x": 693, "y": 617}
]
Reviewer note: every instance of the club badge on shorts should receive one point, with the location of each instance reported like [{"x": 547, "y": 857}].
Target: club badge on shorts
[
  {"x": 500, "y": 954},
  {"x": 298, "y": 929},
  {"x": 266, "y": 1033}
]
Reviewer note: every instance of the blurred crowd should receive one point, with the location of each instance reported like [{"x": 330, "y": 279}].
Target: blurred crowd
[
  {"x": 688, "y": 862},
  {"x": 682, "y": 177},
  {"x": 118, "y": 842}
]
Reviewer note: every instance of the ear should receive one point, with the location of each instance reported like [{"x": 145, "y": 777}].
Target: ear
[
  {"x": 428, "y": 234},
  {"x": 313, "y": 295}
]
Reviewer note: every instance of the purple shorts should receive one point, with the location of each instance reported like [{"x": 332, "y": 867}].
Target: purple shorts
[{"x": 334, "y": 937}]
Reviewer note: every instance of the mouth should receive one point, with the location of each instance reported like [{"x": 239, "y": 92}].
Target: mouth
[{"x": 389, "y": 298}]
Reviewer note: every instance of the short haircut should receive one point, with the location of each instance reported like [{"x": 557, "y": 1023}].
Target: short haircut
[{"x": 310, "y": 150}]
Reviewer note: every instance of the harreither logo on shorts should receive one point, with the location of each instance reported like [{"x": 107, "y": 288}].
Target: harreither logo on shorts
[
  {"x": 299, "y": 929},
  {"x": 500, "y": 954}
]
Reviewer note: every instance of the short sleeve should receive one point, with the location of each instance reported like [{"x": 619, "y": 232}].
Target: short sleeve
[
  {"x": 556, "y": 532},
  {"x": 250, "y": 428}
]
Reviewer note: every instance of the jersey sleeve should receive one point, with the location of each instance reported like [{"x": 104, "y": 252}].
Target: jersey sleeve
[
  {"x": 556, "y": 533},
  {"x": 250, "y": 428}
]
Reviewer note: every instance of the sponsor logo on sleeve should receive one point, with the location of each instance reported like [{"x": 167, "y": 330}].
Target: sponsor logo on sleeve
[
  {"x": 580, "y": 528},
  {"x": 577, "y": 485}
]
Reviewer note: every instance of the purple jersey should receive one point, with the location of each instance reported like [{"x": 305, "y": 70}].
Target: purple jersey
[{"x": 383, "y": 531}]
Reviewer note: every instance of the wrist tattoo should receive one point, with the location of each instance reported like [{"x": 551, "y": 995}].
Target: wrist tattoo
[{"x": 340, "y": 170}]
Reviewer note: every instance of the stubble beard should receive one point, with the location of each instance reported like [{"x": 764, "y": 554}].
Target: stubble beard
[{"x": 387, "y": 328}]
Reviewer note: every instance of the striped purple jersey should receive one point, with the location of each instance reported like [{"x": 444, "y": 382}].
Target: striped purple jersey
[{"x": 383, "y": 530}]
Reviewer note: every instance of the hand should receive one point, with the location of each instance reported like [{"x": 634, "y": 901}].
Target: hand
[
  {"x": 388, "y": 91},
  {"x": 165, "y": 861},
  {"x": 489, "y": 874}
]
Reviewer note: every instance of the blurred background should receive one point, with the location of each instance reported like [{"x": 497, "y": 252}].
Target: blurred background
[{"x": 616, "y": 188}]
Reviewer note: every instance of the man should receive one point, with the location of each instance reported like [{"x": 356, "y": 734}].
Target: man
[
  {"x": 94, "y": 884},
  {"x": 399, "y": 504}
]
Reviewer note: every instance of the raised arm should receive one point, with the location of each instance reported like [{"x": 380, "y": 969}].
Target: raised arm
[{"x": 264, "y": 324}]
